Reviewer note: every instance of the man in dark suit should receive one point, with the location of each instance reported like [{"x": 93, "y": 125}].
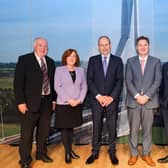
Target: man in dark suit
[
  {"x": 35, "y": 96},
  {"x": 105, "y": 81},
  {"x": 143, "y": 78},
  {"x": 164, "y": 104}
]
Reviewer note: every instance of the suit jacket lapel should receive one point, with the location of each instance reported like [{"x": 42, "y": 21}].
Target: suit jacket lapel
[
  {"x": 147, "y": 68},
  {"x": 147, "y": 65},
  {"x": 100, "y": 66},
  {"x": 69, "y": 78},
  {"x": 138, "y": 66},
  {"x": 77, "y": 75},
  {"x": 36, "y": 64},
  {"x": 48, "y": 68},
  {"x": 109, "y": 65}
]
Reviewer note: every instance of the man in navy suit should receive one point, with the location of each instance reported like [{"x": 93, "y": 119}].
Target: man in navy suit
[
  {"x": 164, "y": 104},
  {"x": 34, "y": 93},
  {"x": 105, "y": 81}
]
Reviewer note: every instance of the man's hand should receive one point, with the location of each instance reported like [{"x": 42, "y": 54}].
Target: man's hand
[
  {"x": 108, "y": 100},
  {"x": 22, "y": 108},
  {"x": 101, "y": 100},
  {"x": 104, "y": 100},
  {"x": 142, "y": 99}
]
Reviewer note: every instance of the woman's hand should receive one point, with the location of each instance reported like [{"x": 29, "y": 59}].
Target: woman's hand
[{"x": 73, "y": 102}]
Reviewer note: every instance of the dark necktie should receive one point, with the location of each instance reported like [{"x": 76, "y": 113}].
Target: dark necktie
[
  {"x": 45, "y": 84},
  {"x": 105, "y": 65}
]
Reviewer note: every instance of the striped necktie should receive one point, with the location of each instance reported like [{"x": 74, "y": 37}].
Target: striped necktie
[{"x": 45, "y": 84}]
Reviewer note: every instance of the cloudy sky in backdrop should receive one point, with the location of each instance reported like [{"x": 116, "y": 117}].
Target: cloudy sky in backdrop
[{"x": 75, "y": 24}]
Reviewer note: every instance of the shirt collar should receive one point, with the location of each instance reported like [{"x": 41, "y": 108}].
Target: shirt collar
[
  {"x": 39, "y": 58},
  {"x": 108, "y": 56},
  {"x": 140, "y": 58}
]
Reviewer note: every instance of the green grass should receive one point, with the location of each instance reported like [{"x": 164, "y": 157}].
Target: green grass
[
  {"x": 6, "y": 82},
  {"x": 6, "y": 69},
  {"x": 10, "y": 129}
]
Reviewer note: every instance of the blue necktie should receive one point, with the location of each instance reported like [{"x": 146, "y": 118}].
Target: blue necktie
[{"x": 105, "y": 65}]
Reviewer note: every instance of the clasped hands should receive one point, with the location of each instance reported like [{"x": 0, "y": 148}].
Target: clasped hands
[
  {"x": 73, "y": 102},
  {"x": 104, "y": 100},
  {"x": 142, "y": 99}
]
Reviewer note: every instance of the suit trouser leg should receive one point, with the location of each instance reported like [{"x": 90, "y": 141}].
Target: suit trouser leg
[
  {"x": 28, "y": 123},
  {"x": 134, "y": 124},
  {"x": 146, "y": 122},
  {"x": 43, "y": 126},
  {"x": 164, "y": 113},
  {"x": 97, "y": 115},
  {"x": 111, "y": 120}
]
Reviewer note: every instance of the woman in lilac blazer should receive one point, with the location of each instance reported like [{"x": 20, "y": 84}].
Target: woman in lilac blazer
[{"x": 70, "y": 86}]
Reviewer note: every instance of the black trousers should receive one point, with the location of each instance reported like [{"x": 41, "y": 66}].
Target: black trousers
[
  {"x": 67, "y": 139},
  {"x": 29, "y": 121},
  {"x": 164, "y": 113},
  {"x": 98, "y": 112}
]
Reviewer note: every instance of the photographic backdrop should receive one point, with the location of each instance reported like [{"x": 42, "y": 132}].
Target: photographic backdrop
[{"x": 75, "y": 24}]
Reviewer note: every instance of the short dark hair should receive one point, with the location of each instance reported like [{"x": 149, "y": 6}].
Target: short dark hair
[
  {"x": 142, "y": 38},
  {"x": 67, "y": 53},
  {"x": 104, "y": 36}
]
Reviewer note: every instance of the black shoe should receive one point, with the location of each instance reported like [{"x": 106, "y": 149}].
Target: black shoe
[
  {"x": 114, "y": 159},
  {"x": 44, "y": 158},
  {"x": 163, "y": 160},
  {"x": 74, "y": 155},
  {"x": 25, "y": 166},
  {"x": 91, "y": 158},
  {"x": 27, "y": 162},
  {"x": 68, "y": 158}
]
